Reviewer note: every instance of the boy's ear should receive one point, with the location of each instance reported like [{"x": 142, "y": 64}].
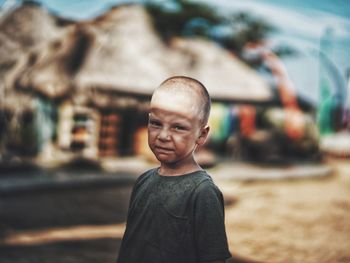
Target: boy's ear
[{"x": 203, "y": 135}]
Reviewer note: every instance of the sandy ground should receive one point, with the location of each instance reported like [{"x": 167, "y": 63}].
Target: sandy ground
[
  {"x": 291, "y": 220},
  {"x": 301, "y": 220}
]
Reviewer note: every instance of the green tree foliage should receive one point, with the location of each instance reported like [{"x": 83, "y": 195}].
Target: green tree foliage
[
  {"x": 188, "y": 18},
  {"x": 174, "y": 18},
  {"x": 245, "y": 28}
]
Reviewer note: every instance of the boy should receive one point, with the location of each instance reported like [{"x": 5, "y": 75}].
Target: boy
[{"x": 176, "y": 213}]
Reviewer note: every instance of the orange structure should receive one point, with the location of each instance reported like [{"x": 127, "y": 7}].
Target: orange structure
[{"x": 294, "y": 121}]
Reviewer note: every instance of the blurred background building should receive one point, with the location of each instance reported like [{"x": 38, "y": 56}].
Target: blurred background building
[{"x": 76, "y": 84}]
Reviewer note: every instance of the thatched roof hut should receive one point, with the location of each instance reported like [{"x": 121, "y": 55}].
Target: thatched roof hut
[
  {"x": 121, "y": 52},
  {"x": 128, "y": 56}
]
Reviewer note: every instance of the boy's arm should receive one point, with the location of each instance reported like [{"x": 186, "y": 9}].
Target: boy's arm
[{"x": 209, "y": 224}]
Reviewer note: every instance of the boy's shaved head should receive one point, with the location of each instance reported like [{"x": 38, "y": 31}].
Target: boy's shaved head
[{"x": 190, "y": 87}]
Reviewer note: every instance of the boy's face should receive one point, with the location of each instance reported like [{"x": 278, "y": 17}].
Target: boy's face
[{"x": 175, "y": 128}]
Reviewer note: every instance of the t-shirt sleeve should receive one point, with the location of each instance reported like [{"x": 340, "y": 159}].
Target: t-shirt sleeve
[{"x": 209, "y": 223}]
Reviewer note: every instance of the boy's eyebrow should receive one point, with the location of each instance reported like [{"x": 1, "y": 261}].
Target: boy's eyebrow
[
  {"x": 153, "y": 119},
  {"x": 181, "y": 122}
]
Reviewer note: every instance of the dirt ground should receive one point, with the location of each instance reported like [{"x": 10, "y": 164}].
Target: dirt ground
[
  {"x": 304, "y": 220},
  {"x": 300, "y": 220}
]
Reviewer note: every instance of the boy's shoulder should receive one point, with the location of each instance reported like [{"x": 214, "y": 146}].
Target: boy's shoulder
[
  {"x": 146, "y": 175},
  {"x": 207, "y": 184},
  {"x": 201, "y": 177}
]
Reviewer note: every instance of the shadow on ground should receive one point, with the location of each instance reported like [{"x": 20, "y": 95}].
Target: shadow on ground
[
  {"x": 91, "y": 251},
  {"x": 64, "y": 207}
]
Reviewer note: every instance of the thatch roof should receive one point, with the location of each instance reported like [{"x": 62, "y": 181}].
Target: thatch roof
[
  {"x": 10, "y": 53},
  {"x": 120, "y": 51},
  {"x": 50, "y": 71},
  {"x": 25, "y": 34},
  {"x": 225, "y": 76},
  {"x": 126, "y": 53},
  {"x": 29, "y": 25}
]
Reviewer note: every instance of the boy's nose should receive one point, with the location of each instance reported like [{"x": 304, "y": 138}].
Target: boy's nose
[{"x": 164, "y": 134}]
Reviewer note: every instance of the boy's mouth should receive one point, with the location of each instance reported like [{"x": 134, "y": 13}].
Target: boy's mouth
[{"x": 160, "y": 149}]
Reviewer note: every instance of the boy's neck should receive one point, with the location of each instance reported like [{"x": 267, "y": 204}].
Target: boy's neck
[{"x": 174, "y": 170}]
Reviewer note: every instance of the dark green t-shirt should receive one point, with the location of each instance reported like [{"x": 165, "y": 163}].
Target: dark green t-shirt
[{"x": 174, "y": 219}]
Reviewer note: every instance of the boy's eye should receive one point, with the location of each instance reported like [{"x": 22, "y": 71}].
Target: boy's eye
[
  {"x": 179, "y": 128},
  {"x": 154, "y": 123}
]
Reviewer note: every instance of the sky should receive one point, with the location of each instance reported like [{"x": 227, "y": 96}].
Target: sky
[{"x": 300, "y": 24}]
